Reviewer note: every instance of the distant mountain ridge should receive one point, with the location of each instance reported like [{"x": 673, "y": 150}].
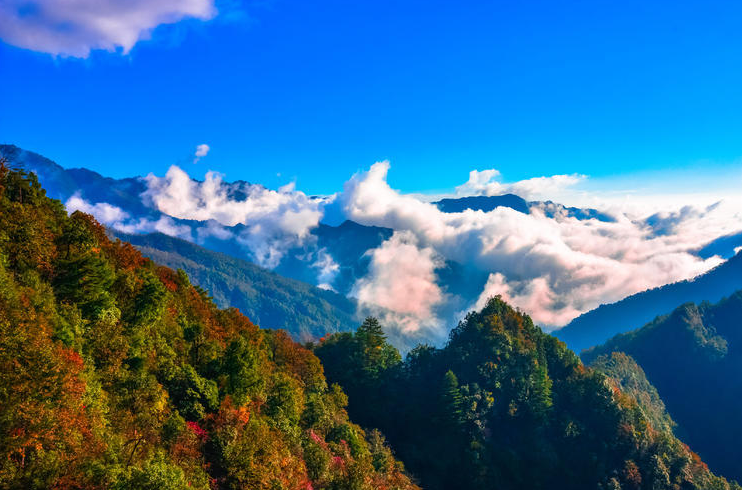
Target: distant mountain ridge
[
  {"x": 693, "y": 356},
  {"x": 598, "y": 325},
  {"x": 346, "y": 246},
  {"x": 517, "y": 203}
]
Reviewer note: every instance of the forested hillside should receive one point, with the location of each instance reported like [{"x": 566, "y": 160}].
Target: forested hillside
[
  {"x": 693, "y": 357},
  {"x": 272, "y": 301},
  {"x": 118, "y": 373},
  {"x": 505, "y": 406},
  {"x": 625, "y": 374}
]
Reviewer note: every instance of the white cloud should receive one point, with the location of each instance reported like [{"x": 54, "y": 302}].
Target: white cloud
[
  {"x": 486, "y": 183},
  {"x": 118, "y": 219},
  {"x": 102, "y": 211},
  {"x": 201, "y": 151},
  {"x": 75, "y": 27},
  {"x": 274, "y": 221},
  {"x": 553, "y": 268},
  {"x": 401, "y": 286},
  {"x": 214, "y": 229},
  {"x": 327, "y": 269}
]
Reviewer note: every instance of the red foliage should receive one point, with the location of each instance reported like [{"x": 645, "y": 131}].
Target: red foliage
[
  {"x": 125, "y": 255},
  {"x": 168, "y": 277},
  {"x": 198, "y": 431},
  {"x": 632, "y": 476}
]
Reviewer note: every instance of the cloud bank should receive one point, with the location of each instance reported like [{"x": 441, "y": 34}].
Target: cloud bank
[
  {"x": 118, "y": 219},
  {"x": 554, "y": 268},
  {"x": 75, "y": 27},
  {"x": 274, "y": 221},
  {"x": 553, "y": 265}
]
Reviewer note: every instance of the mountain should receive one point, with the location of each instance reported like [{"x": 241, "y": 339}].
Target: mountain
[
  {"x": 119, "y": 373},
  {"x": 598, "y": 325},
  {"x": 693, "y": 356},
  {"x": 268, "y": 299},
  {"x": 483, "y": 203},
  {"x": 725, "y": 246},
  {"x": 625, "y": 374},
  {"x": 504, "y": 405},
  {"x": 333, "y": 257},
  {"x": 345, "y": 244},
  {"x": 272, "y": 301},
  {"x": 60, "y": 183},
  {"x": 517, "y": 203}
]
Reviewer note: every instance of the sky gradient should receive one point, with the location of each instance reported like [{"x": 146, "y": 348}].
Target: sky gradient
[{"x": 284, "y": 91}]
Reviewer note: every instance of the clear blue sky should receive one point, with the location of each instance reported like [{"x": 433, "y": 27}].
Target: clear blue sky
[{"x": 317, "y": 90}]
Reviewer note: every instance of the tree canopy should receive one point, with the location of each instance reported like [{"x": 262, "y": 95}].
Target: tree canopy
[{"x": 118, "y": 373}]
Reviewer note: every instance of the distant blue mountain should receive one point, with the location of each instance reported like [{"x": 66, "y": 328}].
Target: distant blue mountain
[
  {"x": 723, "y": 247},
  {"x": 517, "y": 203},
  {"x": 598, "y": 325},
  {"x": 61, "y": 183},
  {"x": 483, "y": 203}
]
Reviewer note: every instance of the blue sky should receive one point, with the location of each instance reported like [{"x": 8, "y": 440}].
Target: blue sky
[{"x": 315, "y": 91}]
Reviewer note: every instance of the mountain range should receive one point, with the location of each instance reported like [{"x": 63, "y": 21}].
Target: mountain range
[{"x": 335, "y": 257}]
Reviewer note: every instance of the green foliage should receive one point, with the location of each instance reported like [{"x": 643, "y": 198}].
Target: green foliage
[
  {"x": 625, "y": 374},
  {"x": 117, "y": 373},
  {"x": 693, "y": 357},
  {"x": 505, "y": 406},
  {"x": 273, "y": 301}
]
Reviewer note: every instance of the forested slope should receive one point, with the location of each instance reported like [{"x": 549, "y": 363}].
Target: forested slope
[
  {"x": 118, "y": 373},
  {"x": 270, "y": 300},
  {"x": 504, "y": 405},
  {"x": 693, "y": 357}
]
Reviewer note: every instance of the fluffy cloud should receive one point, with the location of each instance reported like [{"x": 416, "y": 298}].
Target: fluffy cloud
[
  {"x": 400, "y": 287},
  {"x": 118, "y": 219},
  {"x": 103, "y": 212},
  {"x": 201, "y": 151},
  {"x": 274, "y": 221},
  {"x": 75, "y": 27},
  {"x": 555, "y": 268},
  {"x": 486, "y": 183},
  {"x": 327, "y": 269},
  {"x": 552, "y": 265}
]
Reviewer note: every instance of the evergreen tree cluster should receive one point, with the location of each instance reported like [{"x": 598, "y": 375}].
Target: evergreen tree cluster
[{"x": 504, "y": 405}]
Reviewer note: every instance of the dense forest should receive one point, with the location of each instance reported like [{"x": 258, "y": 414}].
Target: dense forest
[
  {"x": 118, "y": 373},
  {"x": 504, "y": 405},
  {"x": 693, "y": 357}
]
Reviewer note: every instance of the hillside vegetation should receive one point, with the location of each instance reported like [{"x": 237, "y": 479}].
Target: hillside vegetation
[
  {"x": 693, "y": 357},
  {"x": 118, "y": 373},
  {"x": 504, "y": 405},
  {"x": 272, "y": 301}
]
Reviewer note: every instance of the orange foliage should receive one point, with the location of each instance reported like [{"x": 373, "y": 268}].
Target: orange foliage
[{"x": 168, "y": 277}]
